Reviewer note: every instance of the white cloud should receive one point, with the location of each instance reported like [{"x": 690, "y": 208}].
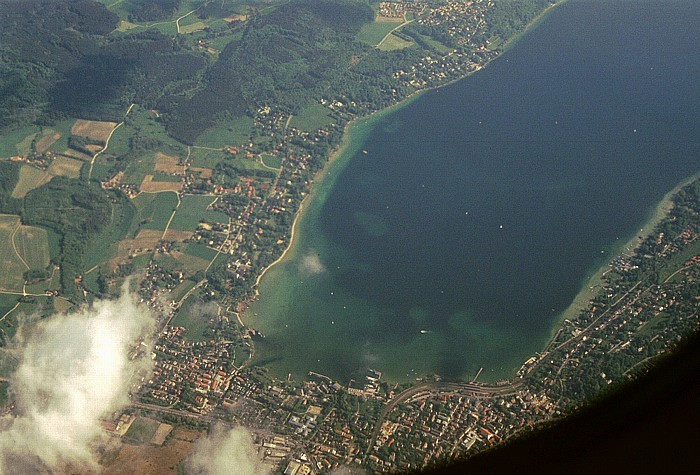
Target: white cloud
[
  {"x": 225, "y": 452},
  {"x": 73, "y": 369}
]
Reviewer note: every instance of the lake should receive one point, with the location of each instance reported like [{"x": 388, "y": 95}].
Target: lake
[{"x": 479, "y": 210}]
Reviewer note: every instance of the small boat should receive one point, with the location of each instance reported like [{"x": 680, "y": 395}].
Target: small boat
[
  {"x": 365, "y": 152},
  {"x": 425, "y": 331}
]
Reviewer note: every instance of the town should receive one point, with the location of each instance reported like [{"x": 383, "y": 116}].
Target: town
[{"x": 211, "y": 217}]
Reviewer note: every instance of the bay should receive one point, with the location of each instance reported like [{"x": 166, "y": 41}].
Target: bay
[{"x": 480, "y": 210}]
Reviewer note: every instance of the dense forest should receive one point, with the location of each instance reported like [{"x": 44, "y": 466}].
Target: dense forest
[
  {"x": 149, "y": 10},
  {"x": 57, "y": 59},
  {"x": 40, "y": 42},
  {"x": 66, "y": 63}
]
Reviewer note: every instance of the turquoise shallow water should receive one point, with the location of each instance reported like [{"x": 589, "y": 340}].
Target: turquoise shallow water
[{"x": 480, "y": 208}]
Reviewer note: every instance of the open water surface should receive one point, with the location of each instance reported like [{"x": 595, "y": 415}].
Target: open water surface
[{"x": 480, "y": 209}]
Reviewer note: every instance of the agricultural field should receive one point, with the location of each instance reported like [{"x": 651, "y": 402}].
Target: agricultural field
[
  {"x": 143, "y": 123},
  {"x": 221, "y": 42},
  {"x": 147, "y": 459},
  {"x": 142, "y": 430},
  {"x": 158, "y": 152},
  {"x": 140, "y": 246},
  {"x": 62, "y": 305},
  {"x": 312, "y": 117},
  {"x": 29, "y": 179},
  {"x": 69, "y": 152},
  {"x": 153, "y": 211},
  {"x": 24, "y": 140},
  {"x": 372, "y": 33},
  {"x": 11, "y": 140},
  {"x": 151, "y": 185},
  {"x": 118, "y": 143},
  {"x": 102, "y": 171},
  {"x": 7, "y": 303},
  {"x": 139, "y": 168},
  {"x": 93, "y": 130},
  {"x": 393, "y": 42},
  {"x": 64, "y": 166},
  {"x": 206, "y": 158},
  {"x": 26, "y": 247},
  {"x": 193, "y": 210},
  {"x": 247, "y": 166},
  {"x": 62, "y": 128},
  {"x": 4, "y": 397},
  {"x": 193, "y": 27},
  {"x": 233, "y": 133},
  {"x": 12, "y": 266},
  {"x": 161, "y": 434},
  {"x": 33, "y": 246},
  {"x": 182, "y": 289},
  {"x": 677, "y": 261},
  {"x": 177, "y": 235},
  {"x": 272, "y": 161},
  {"x": 200, "y": 251},
  {"x": 8, "y": 324},
  {"x": 439, "y": 47},
  {"x": 45, "y": 142},
  {"x": 106, "y": 245},
  {"x": 159, "y": 177},
  {"x": 203, "y": 172},
  {"x": 169, "y": 164},
  {"x": 126, "y": 26}
]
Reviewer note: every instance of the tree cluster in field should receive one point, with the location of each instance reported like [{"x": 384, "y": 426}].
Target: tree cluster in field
[
  {"x": 81, "y": 144},
  {"x": 77, "y": 212},
  {"x": 9, "y": 174}
]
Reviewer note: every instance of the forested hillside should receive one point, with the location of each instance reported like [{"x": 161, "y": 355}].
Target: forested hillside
[
  {"x": 284, "y": 58},
  {"x": 81, "y": 59},
  {"x": 58, "y": 59}
]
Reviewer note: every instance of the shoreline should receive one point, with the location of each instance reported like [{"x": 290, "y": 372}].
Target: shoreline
[
  {"x": 534, "y": 23},
  {"x": 593, "y": 282},
  {"x": 346, "y": 139},
  {"x": 346, "y": 142}
]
